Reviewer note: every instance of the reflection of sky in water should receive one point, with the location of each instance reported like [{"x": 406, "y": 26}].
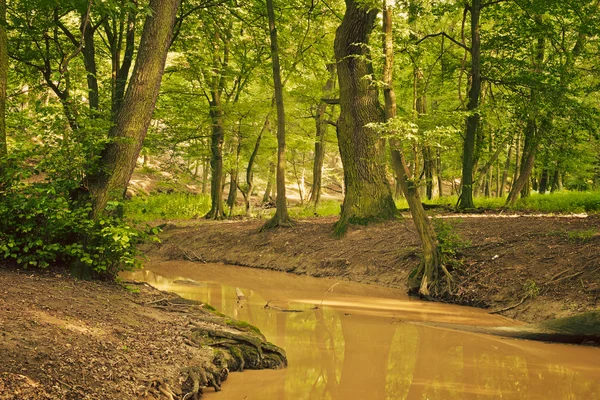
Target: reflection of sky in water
[{"x": 355, "y": 346}]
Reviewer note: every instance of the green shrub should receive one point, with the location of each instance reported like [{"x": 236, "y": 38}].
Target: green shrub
[
  {"x": 450, "y": 243},
  {"x": 40, "y": 226}
]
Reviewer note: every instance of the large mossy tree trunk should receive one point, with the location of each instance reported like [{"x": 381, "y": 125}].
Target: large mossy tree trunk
[
  {"x": 3, "y": 79},
  {"x": 367, "y": 193},
  {"x": 281, "y": 217},
  {"x": 472, "y": 123},
  {"x": 427, "y": 277},
  {"x": 109, "y": 181}
]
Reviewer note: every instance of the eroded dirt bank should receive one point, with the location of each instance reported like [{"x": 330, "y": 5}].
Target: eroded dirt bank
[
  {"x": 67, "y": 339},
  {"x": 532, "y": 267}
]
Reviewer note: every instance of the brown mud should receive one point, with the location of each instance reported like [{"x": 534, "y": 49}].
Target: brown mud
[
  {"x": 531, "y": 268},
  {"x": 67, "y": 339}
]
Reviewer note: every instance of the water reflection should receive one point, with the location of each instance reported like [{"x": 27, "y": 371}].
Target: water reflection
[{"x": 357, "y": 345}]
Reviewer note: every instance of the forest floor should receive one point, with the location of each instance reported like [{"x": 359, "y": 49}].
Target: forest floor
[
  {"x": 528, "y": 267},
  {"x": 66, "y": 339}
]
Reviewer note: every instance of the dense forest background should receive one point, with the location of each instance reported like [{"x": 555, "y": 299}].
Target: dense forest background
[{"x": 482, "y": 103}]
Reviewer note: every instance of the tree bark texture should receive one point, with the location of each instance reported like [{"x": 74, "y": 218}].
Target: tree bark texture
[
  {"x": 3, "y": 78},
  {"x": 281, "y": 217},
  {"x": 472, "y": 123},
  {"x": 367, "y": 192},
  {"x": 119, "y": 157},
  {"x": 216, "y": 158}
]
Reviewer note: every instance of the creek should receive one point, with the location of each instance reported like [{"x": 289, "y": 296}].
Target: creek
[{"x": 355, "y": 341}]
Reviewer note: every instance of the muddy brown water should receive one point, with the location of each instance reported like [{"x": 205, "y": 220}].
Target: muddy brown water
[{"x": 362, "y": 342}]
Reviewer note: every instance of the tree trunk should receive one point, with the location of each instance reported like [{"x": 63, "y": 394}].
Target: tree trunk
[
  {"x": 367, "y": 193},
  {"x": 89, "y": 61},
  {"x": 281, "y": 217},
  {"x": 543, "y": 185},
  {"x": 426, "y": 276},
  {"x": 216, "y": 158},
  {"x": 466, "y": 196},
  {"x": 531, "y": 140},
  {"x": 119, "y": 157},
  {"x": 3, "y": 79},
  {"x": 205, "y": 167},
  {"x": 505, "y": 172},
  {"x": 269, "y": 189},
  {"x": 247, "y": 191},
  {"x": 556, "y": 180},
  {"x": 121, "y": 68},
  {"x": 233, "y": 183},
  {"x": 321, "y": 125},
  {"x": 527, "y": 163}
]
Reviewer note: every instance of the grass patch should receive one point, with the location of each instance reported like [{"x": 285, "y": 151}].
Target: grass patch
[
  {"x": 583, "y": 236},
  {"x": 167, "y": 206},
  {"x": 328, "y": 208},
  {"x": 562, "y": 202}
]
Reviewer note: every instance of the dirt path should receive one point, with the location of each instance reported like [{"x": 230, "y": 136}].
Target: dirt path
[
  {"x": 67, "y": 339},
  {"x": 532, "y": 267}
]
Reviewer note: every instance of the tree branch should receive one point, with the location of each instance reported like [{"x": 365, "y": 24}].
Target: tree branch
[{"x": 444, "y": 34}]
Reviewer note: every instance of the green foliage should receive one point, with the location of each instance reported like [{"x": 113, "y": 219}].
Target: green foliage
[
  {"x": 582, "y": 236},
  {"x": 531, "y": 288},
  {"x": 562, "y": 202},
  {"x": 40, "y": 226},
  {"x": 167, "y": 206},
  {"x": 449, "y": 241}
]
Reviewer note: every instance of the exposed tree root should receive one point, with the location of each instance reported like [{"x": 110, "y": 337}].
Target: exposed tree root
[
  {"x": 277, "y": 222},
  {"x": 233, "y": 348}
]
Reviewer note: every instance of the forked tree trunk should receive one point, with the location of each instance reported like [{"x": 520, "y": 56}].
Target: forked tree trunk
[
  {"x": 472, "y": 123},
  {"x": 426, "y": 278},
  {"x": 281, "y": 217},
  {"x": 532, "y": 134},
  {"x": 247, "y": 191},
  {"x": 367, "y": 193},
  {"x": 527, "y": 163},
  {"x": 3, "y": 79},
  {"x": 119, "y": 157},
  {"x": 321, "y": 125}
]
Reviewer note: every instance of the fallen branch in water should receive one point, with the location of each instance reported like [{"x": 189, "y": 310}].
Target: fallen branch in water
[
  {"x": 281, "y": 309},
  {"x": 327, "y": 291}
]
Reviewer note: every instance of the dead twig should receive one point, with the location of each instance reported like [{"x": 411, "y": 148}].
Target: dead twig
[
  {"x": 281, "y": 309},
  {"x": 328, "y": 291},
  {"x": 564, "y": 278},
  {"x": 511, "y": 307}
]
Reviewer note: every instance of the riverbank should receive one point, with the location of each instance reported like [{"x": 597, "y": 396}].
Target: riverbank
[
  {"x": 62, "y": 338},
  {"x": 531, "y": 268}
]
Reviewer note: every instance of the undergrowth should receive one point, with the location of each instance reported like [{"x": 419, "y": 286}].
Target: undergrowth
[{"x": 167, "y": 206}]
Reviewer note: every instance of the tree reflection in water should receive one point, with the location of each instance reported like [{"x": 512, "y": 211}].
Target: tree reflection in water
[{"x": 347, "y": 350}]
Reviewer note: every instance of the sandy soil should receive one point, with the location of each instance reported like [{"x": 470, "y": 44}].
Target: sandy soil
[
  {"x": 67, "y": 339},
  {"x": 532, "y": 267}
]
